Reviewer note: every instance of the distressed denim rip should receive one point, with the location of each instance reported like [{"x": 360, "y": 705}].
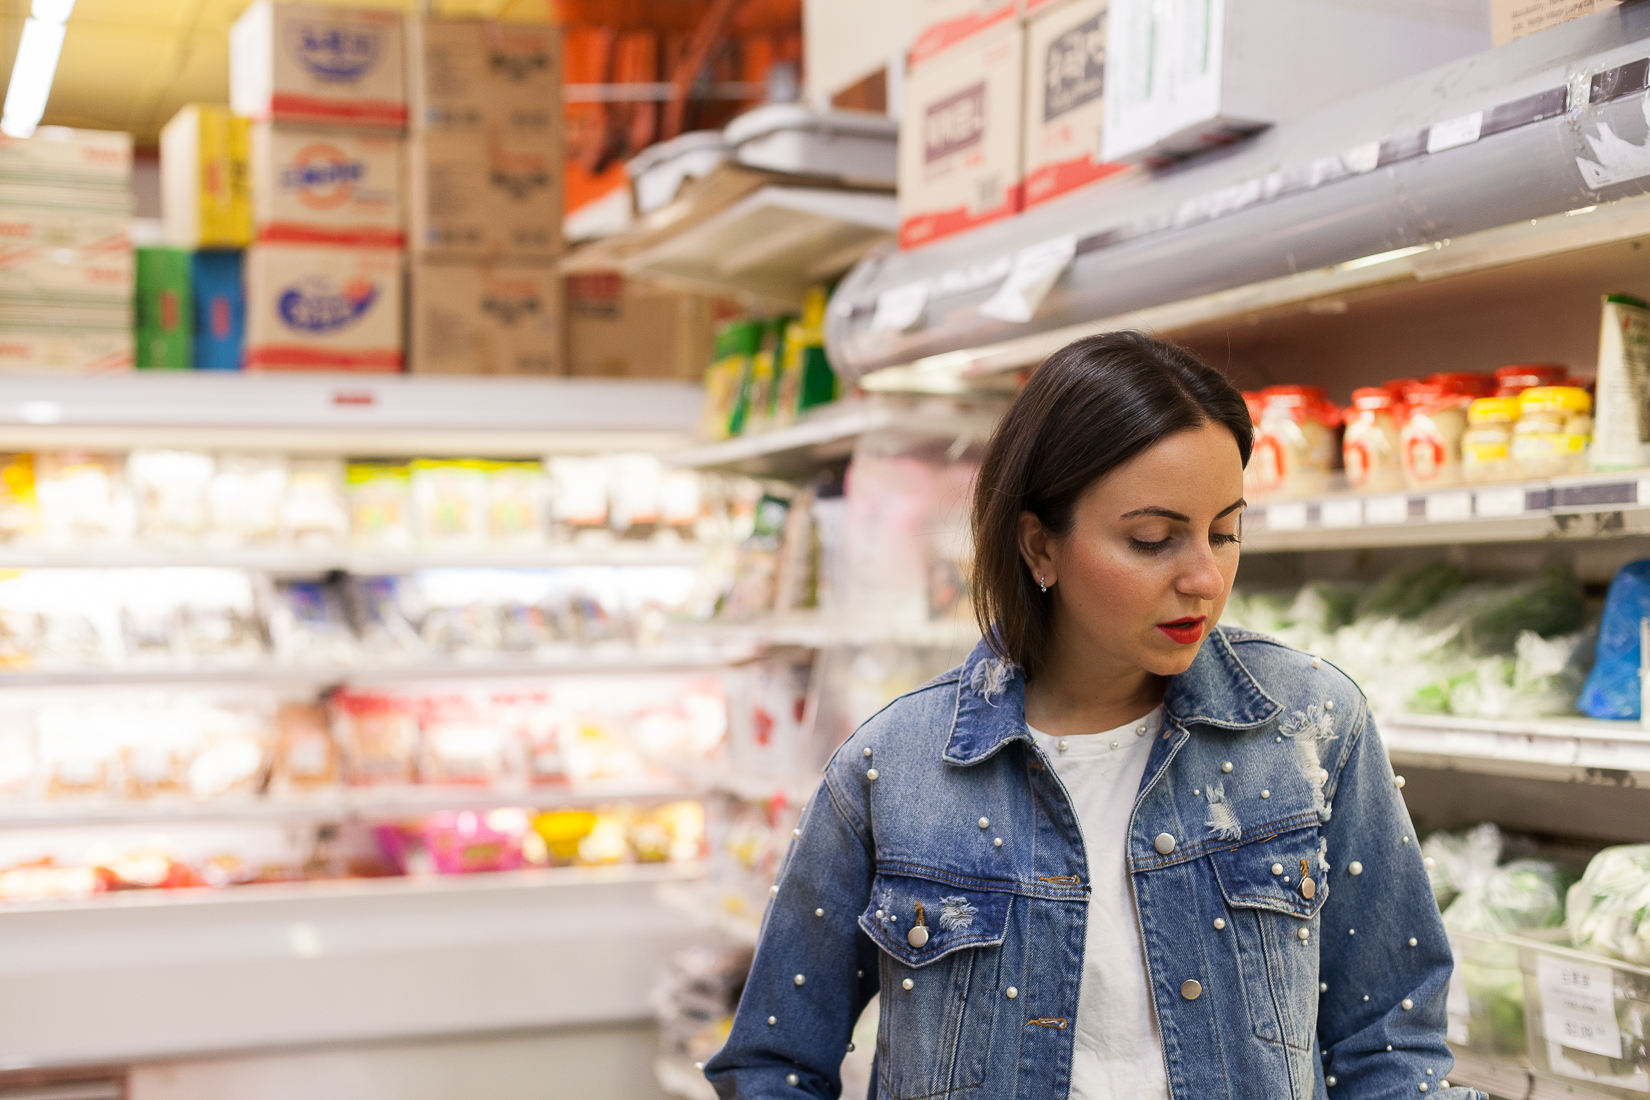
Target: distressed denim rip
[{"x": 982, "y": 1008}]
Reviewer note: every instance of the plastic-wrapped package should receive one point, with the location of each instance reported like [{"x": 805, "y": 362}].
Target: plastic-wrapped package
[
  {"x": 221, "y": 621},
  {"x": 466, "y": 744},
  {"x": 458, "y": 843},
  {"x": 672, "y": 833},
  {"x": 1407, "y": 593},
  {"x": 19, "y": 507},
  {"x": 380, "y": 505},
  {"x": 1609, "y": 909},
  {"x": 385, "y": 627},
  {"x": 1461, "y": 861},
  {"x": 450, "y": 502},
  {"x": 244, "y": 498},
  {"x": 305, "y": 756},
  {"x": 634, "y": 494},
  {"x": 681, "y": 502},
  {"x": 1515, "y": 897},
  {"x": 579, "y": 488},
  {"x": 170, "y": 490},
  {"x": 1612, "y": 688},
  {"x": 313, "y": 511},
  {"x": 82, "y": 497},
  {"x": 79, "y": 750},
  {"x": 307, "y": 623},
  {"x": 18, "y": 760},
  {"x": 1487, "y": 618},
  {"x": 233, "y": 756},
  {"x": 379, "y": 738},
  {"x": 518, "y": 504}
]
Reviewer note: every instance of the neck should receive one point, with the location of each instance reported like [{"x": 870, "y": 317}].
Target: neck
[{"x": 1083, "y": 689}]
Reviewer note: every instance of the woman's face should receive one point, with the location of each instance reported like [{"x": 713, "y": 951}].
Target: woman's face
[{"x": 1143, "y": 575}]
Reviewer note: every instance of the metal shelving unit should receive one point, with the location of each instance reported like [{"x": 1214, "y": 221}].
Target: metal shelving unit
[{"x": 304, "y": 561}]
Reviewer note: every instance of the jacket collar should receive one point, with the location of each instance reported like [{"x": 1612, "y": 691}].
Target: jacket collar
[{"x": 1217, "y": 690}]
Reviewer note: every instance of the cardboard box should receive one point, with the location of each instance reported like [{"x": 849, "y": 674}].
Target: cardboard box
[
  {"x": 942, "y": 24},
  {"x": 959, "y": 150},
  {"x": 218, "y": 291},
  {"x": 163, "y": 310},
  {"x": 1065, "y": 100},
  {"x": 64, "y": 254},
  {"x": 1511, "y": 19},
  {"x": 1181, "y": 78},
  {"x": 466, "y": 74},
  {"x": 487, "y": 194},
  {"x": 308, "y": 63},
  {"x": 318, "y": 186},
  {"x": 43, "y": 346},
  {"x": 317, "y": 308},
  {"x": 60, "y": 157},
  {"x": 203, "y": 178},
  {"x": 617, "y": 328},
  {"x": 470, "y": 318}
]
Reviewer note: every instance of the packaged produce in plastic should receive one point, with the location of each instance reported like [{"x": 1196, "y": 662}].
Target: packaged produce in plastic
[
  {"x": 1587, "y": 1018},
  {"x": 1553, "y": 430},
  {"x": 1486, "y": 445},
  {"x": 1369, "y": 448},
  {"x": 19, "y": 507},
  {"x": 83, "y": 497},
  {"x": 171, "y": 491},
  {"x": 1622, "y": 429},
  {"x": 1460, "y": 862},
  {"x": 518, "y": 504},
  {"x": 313, "y": 511},
  {"x": 1612, "y": 688},
  {"x": 379, "y": 738},
  {"x": 1512, "y": 380},
  {"x": 245, "y": 498},
  {"x": 1515, "y": 897},
  {"x": 305, "y": 756},
  {"x": 380, "y": 505},
  {"x": 1295, "y": 444},
  {"x": 1609, "y": 909},
  {"x": 450, "y": 499}
]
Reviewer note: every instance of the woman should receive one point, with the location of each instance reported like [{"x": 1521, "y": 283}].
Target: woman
[{"x": 1168, "y": 908}]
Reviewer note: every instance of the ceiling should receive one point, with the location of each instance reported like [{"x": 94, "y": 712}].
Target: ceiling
[{"x": 130, "y": 64}]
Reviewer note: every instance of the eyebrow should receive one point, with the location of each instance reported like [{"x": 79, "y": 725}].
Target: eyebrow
[{"x": 1169, "y": 513}]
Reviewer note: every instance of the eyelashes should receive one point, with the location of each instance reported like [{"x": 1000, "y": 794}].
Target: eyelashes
[{"x": 1153, "y": 548}]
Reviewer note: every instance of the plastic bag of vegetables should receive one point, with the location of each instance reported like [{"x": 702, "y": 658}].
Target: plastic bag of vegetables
[{"x": 1609, "y": 909}]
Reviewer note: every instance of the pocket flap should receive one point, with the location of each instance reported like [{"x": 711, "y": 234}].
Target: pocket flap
[
  {"x": 952, "y": 917},
  {"x": 1272, "y": 874}
]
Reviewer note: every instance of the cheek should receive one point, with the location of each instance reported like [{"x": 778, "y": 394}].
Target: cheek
[{"x": 1116, "y": 584}]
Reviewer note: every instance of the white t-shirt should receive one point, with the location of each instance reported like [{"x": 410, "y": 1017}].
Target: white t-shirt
[{"x": 1118, "y": 1053}]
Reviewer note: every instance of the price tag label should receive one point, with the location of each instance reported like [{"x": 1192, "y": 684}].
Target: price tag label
[
  {"x": 1500, "y": 503},
  {"x": 1578, "y": 1006},
  {"x": 1342, "y": 513},
  {"x": 1455, "y": 131},
  {"x": 1386, "y": 510},
  {"x": 1449, "y": 507},
  {"x": 1642, "y": 492},
  {"x": 1286, "y": 517}
]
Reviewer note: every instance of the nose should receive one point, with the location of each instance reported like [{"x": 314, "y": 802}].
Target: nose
[{"x": 1202, "y": 577}]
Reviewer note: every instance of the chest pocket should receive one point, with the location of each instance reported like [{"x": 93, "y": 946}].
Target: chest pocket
[
  {"x": 946, "y": 942},
  {"x": 1274, "y": 890}
]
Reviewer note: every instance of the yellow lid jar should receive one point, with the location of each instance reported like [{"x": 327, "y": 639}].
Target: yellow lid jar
[
  {"x": 1486, "y": 445},
  {"x": 1555, "y": 424}
]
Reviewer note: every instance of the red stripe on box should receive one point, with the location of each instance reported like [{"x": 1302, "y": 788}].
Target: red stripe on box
[
  {"x": 299, "y": 357},
  {"x": 924, "y": 228},
  {"x": 942, "y": 36},
  {"x": 289, "y": 107},
  {"x": 292, "y": 233},
  {"x": 1052, "y": 180}
]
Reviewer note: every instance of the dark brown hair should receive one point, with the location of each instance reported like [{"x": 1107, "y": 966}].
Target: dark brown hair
[{"x": 1089, "y": 408}]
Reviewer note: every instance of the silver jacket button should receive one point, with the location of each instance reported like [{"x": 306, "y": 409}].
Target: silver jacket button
[
  {"x": 1164, "y": 843},
  {"x": 1191, "y": 989},
  {"x": 917, "y": 937}
]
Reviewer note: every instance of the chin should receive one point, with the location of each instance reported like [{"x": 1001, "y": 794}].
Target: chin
[{"x": 1171, "y": 663}]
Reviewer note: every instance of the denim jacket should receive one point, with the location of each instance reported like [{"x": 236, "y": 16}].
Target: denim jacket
[{"x": 1289, "y": 949}]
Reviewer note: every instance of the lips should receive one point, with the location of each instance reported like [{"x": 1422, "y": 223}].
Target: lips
[{"x": 1187, "y": 631}]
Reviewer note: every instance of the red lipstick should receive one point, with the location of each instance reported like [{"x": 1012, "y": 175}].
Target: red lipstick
[{"x": 1187, "y": 631}]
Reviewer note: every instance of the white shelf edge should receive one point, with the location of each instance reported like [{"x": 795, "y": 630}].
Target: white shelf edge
[
  {"x": 691, "y": 900},
  {"x": 1564, "y": 749}
]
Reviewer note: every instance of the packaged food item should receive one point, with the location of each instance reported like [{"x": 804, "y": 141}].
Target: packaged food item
[
  {"x": 380, "y": 505},
  {"x": 1370, "y": 447},
  {"x": 378, "y": 735},
  {"x": 83, "y": 497},
  {"x": 313, "y": 511},
  {"x": 672, "y": 833},
  {"x": 450, "y": 499},
  {"x": 465, "y": 743},
  {"x": 727, "y": 378},
  {"x": 1430, "y": 439},
  {"x": 244, "y": 499},
  {"x": 17, "y": 754},
  {"x": 580, "y": 491},
  {"x": 681, "y": 502},
  {"x": 1512, "y": 380},
  {"x": 1486, "y": 445},
  {"x": 1609, "y": 909},
  {"x": 1295, "y": 445},
  {"x": 79, "y": 750},
  {"x": 308, "y": 625},
  {"x": 1613, "y": 688},
  {"x": 1553, "y": 431},
  {"x": 382, "y": 623},
  {"x": 467, "y": 842},
  {"x": 1623, "y": 426},
  {"x": 219, "y": 289},
  {"x": 305, "y": 757},
  {"x": 203, "y": 181},
  {"x": 635, "y": 495},
  {"x": 19, "y": 506},
  {"x": 233, "y": 755},
  {"x": 219, "y": 619},
  {"x": 310, "y": 63},
  {"x": 162, "y": 309},
  {"x": 171, "y": 490},
  {"x": 563, "y": 831},
  {"x": 595, "y": 749},
  {"x": 518, "y": 503}
]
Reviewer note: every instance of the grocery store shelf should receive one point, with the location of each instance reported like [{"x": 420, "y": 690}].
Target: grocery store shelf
[
  {"x": 1579, "y": 507},
  {"x": 613, "y": 659},
  {"x": 347, "y": 414},
  {"x": 1503, "y": 1079},
  {"x": 773, "y": 244},
  {"x": 828, "y": 435},
  {"x": 337, "y": 805},
  {"x": 294, "y": 561},
  {"x": 1566, "y": 750},
  {"x": 682, "y": 1079},
  {"x": 828, "y": 631},
  {"x": 698, "y": 902},
  {"x": 752, "y": 786},
  {"x": 149, "y": 974}
]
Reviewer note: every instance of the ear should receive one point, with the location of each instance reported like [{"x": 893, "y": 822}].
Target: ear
[{"x": 1037, "y": 549}]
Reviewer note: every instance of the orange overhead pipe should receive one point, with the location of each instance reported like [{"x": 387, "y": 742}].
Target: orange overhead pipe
[{"x": 710, "y": 30}]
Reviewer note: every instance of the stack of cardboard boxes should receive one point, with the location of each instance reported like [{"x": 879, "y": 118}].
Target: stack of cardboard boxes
[
  {"x": 324, "y": 90},
  {"x": 486, "y": 201},
  {"x": 65, "y": 254}
]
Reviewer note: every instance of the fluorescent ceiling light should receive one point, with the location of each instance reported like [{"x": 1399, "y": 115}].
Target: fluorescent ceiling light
[{"x": 36, "y": 65}]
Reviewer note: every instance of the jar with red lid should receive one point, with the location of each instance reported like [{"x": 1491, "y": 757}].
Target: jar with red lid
[
  {"x": 1430, "y": 439},
  {"x": 1514, "y": 379},
  {"x": 1370, "y": 447},
  {"x": 1466, "y": 382},
  {"x": 1295, "y": 444}
]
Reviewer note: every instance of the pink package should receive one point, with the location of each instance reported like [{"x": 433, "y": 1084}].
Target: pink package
[{"x": 456, "y": 843}]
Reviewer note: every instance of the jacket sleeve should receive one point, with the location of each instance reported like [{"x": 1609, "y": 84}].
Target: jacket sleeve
[
  {"x": 1384, "y": 961},
  {"x": 814, "y": 970}
]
